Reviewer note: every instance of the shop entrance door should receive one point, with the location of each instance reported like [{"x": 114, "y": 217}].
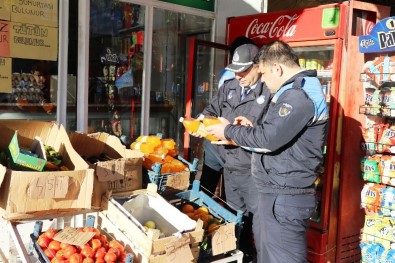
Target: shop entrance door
[{"x": 206, "y": 61}]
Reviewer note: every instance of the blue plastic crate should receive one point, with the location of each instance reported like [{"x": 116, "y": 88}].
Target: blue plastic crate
[
  {"x": 154, "y": 175},
  {"x": 203, "y": 200}
]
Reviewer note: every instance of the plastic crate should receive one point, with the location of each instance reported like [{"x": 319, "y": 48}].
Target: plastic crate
[
  {"x": 170, "y": 183},
  {"x": 223, "y": 213},
  {"x": 39, "y": 253},
  {"x": 200, "y": 198}
]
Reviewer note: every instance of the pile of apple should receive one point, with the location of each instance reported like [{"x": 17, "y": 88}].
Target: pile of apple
[{"x": 97, "y": 250}]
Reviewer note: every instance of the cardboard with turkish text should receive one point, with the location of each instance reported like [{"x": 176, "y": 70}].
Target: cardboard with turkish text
[
  {"x": 28, "y": 194},
  {"x": 122, "y": 173}
]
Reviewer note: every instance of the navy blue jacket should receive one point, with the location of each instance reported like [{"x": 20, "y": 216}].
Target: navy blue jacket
[
  {"x": 292, "y": 137},
  {"x": 226, "y": 103}
]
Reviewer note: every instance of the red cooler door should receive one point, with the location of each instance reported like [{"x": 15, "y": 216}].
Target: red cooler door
[{"x": 324, "y": 56}]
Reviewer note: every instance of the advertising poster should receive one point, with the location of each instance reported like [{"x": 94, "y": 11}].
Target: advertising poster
[
  {"x": 5, "y": 75},
  {"x": 33, "y": 41},
  {"x": 4, "y": 39},
  {"x": 5, "y": 10},
  {"x": 38, "y": 12}
]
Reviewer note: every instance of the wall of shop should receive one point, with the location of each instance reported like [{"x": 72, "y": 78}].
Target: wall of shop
[{"x": 229, "y": 8}]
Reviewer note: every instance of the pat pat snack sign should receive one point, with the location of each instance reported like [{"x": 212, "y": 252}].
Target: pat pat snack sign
[{"x": 26, "y": 159}]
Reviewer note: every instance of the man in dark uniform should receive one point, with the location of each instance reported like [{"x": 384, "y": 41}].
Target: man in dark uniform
[
  {"x": 288, "y": 152},
  {"x": 244, "y": 95}
]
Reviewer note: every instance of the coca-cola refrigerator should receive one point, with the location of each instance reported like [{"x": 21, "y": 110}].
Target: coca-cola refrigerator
[{"x": 326, "y": 39}]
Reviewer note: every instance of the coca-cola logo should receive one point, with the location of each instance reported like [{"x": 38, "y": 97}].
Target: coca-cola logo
[
  {"x": 368, "y": 27},
  {"x": 283, "y": 26}
]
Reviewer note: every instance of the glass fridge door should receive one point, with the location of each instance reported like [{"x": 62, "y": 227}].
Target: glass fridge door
[
  {"x": 321, "y": 58},
  {"x": 206, "y": 61}
]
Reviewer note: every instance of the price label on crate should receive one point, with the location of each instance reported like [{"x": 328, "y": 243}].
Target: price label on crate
[
  {"x": 178, "y": 181},
  {"x": 48, "y": 186},
  {"x": 73, "y": 236},
  {"x": 179, "y": 251},
  {"x": 224, "y": 239},
  {"x": 110, "y": 170}
]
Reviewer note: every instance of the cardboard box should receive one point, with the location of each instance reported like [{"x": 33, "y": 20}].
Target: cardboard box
[
  {"x": 21, "y": 159},
  {"x": 181, "y": 232},
  {"x": 27, "y": 194},
  {"x": 121, "y": 174}
]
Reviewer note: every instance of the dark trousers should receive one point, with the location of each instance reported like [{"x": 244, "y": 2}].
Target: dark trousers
[
  {"x": 283, "y": 224},
  {"x": 209, "y": 180},
  {"x": 242, "y": 194}
]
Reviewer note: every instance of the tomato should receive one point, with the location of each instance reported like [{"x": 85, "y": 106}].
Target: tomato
[
  {"x": 117, "y": 245},
  {"x": 76, "y": 258},
  {"x": 55, "y": 245},
  {"x": 95, "y": 243},
  {"x": 64, "y": 245},
  {"x": 116, "y": 251},
  {"x": 88, "y": 260},
  {"x": 110, "y": 257},
  {"x": 49, "y": 253},
  {"x": 99, "y": 260},
  {"x": 80, "y": 248},
  {"x": 87, "y": 252},
  {"x": 69, "y": 250},
  {"x": 100, "y": 253},
  {"x": 50, "y": 233},
  {"x": 43, "y": 241},
  {"x": 122, "y": 257},
  {"x": 60, "y": 254},
  {"x": 103, "y": 239}
]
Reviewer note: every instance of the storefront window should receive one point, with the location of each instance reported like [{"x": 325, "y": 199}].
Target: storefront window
[
  {"x": 170, "y": 51},
  {"x": 116, "y": 67},
  {"x": 28, "y": 60}
]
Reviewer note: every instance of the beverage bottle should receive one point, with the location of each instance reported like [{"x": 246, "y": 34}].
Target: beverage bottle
[
  {"x": 194, "y": 125},
  {"x": 191, "y": 124},
  {"x": 210, "y": 120},
  {"x": 173, "y": 152},
  {"x": 151, "y": 139},
  {"x": 160, "y": 150},
  {"x": 174, "y": 164},
  {"x": 142, "y": 147},
  {"x": 168, "y": 144}
]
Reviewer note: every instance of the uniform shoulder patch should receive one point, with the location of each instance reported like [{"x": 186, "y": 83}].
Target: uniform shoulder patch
[{"x": 285, "y": 109}]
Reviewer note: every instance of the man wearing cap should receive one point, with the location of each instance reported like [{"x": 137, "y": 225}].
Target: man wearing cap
[{"x": 245, "y": 95}]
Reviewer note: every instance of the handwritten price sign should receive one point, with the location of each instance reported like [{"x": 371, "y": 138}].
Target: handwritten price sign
[
  {"x": 110, "y": 170},
  {"x": 70, "y": 235},
  {"x": 179, "y": 251},
  {"x": 178, "y": 181},
  {"x": 224, "y": 239},
  {"x": 49, "y": 186}
]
